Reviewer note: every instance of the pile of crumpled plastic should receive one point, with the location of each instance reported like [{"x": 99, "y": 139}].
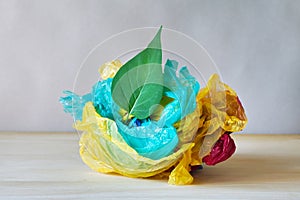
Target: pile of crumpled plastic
[{"x": 168, "y": 128}]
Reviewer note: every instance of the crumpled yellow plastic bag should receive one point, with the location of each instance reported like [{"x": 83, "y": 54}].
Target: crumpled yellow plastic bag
[
  {"x": 221, "y": 112},
  {"x": 188, "y": 127},
  {"x": 103, "y": 149},
  {"x": 181, "y": 174},
  {"x": 109, "y": 69}
]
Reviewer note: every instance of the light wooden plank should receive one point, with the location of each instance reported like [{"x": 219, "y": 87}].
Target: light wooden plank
[{"x": 48, "y": 166}]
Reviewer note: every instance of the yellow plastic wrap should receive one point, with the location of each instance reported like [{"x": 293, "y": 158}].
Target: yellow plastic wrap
[
  {"x": 188, "y": 127},
  {"x": 109, "y": 69},
  {"x": 221, "y": 112},
  {"x": 181, "y": 174},
  {"x": 103, "y": 149}
]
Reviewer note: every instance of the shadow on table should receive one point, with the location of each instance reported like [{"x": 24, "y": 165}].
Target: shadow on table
[{"x": 250, "y": 169}]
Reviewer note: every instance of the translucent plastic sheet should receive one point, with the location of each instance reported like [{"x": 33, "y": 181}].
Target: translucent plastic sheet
[
  {"x": 109, "y": 69},
  {"x": 73, "y": 103},
  {"x": 157, "y": 139},
  {"x": 182, "y": 89},
  {"x": 150, "y": 140},
  {"x": 222, "y": 112},
  {"x": 102, "y": 99},
  {"x": 103, "y": 149},
  {"x": 100, "y": 94}
]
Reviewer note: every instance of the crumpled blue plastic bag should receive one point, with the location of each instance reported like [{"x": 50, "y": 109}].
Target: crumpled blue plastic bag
[
  {"x": 73, "y": 103},
  {"x": 158, "y": 139},
  {"x": 148, "y": 139},
  {"x": 100, "y": 96},
  {"x": 182, "y": 89},
  {"x": 151, "y": 139}
]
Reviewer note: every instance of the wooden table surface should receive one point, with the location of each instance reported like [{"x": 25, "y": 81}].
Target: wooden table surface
[{"x": 48, "y": 166}]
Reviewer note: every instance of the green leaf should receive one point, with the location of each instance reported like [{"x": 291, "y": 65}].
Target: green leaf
[{"x": 138, "y": 85}]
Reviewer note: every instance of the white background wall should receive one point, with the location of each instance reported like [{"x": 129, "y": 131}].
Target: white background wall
[{"x": 256, "y": 45}]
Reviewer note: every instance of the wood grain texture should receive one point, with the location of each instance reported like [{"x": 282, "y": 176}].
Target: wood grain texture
[{"x": 48, "y": 166}]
